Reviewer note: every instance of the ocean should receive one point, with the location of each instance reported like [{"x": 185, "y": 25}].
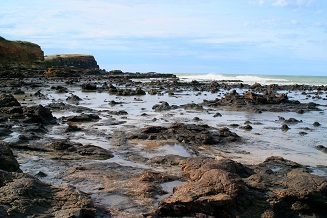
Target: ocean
[{"x": 262, "y": 79}]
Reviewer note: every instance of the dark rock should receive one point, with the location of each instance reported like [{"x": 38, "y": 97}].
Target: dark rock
[
  {"x": 39, "y": 95},
  {"x": 8, "y": 100},
  {"x": 255, "y": 85},
  {"x": 293, "y": 120},
  {"x": 61, "y": 145},
  {"x": 285, "y": 127},
  {"x": 193, "y": 106},
  {"x": 316, "y": 124},
  {"x": 89, "y": 87},
  {"x": 83, "y": 118},
  {"x": 246, "y": 127},
  {"x": 164, "y": 106},
  {"x": 217, "y": 115},
  {"x": 7, "y": 160},
  {"x": 72, "y": 128},
  {"x": 188, "y": 134},
  {"x": 118, "y": 113},
  {"x": 5, "y": 131},
  {"x": 95, "y": 152},
  {"x": 41, "y": 174},
  {"x": 59, "y": 89},
  {"x": 38, "y": 114},
  {"x": 196, "y": 119},
  {"x": 321, "y": 148},
  {"x": 73, "y": 99}
]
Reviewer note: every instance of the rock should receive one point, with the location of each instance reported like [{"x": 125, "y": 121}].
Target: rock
[
  {"x": 59, "y": 89},
  {"x": 255, "y": 85},
  {"x": 38, "y": 114},
  {"x": 7, "y": 160},
  {"x": 73, "y": 99},
  {"x": 77, "y": 61},
  {"x": 168, "y": 160},
  {"x": 20, "y": 54},
  {"x": 95, "y": 152},
  {"x": 72, "y": 128},
  {"x": 321, "y": 148},
  {"x": 8, "y": 100},
  {"x": 5, "y": 131},
  {"x": 285, "y": 127},
  {"x": 193, "y": 106},
  {"x": 217, "y": 115},
  {"x": 224, "y": 188},
  {"x": 118, "y": 113},
  {"x": 41, "y": 174},
  {"x": 190, "y": 134},
  {"x": 39, "y": 95},
  {"x": 316, "y": 124},
  {"x": 163, "y": 106},
  {"x": 293, "y": 120},
  {"x": 89, "y": 87},
  {"x": 25, "y": 196},
  {"x": 61, "y": 145},
  {"x": 246, "y": 127},
  {"x": 83, "y": 118}
]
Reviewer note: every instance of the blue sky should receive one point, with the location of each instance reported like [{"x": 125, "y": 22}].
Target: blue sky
[{"x": 280, "y": 37}]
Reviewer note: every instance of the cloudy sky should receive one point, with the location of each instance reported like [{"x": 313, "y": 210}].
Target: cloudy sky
[{"x": 281, "y": 37}]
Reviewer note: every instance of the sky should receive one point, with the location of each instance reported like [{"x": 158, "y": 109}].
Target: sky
[{"x": 276, "y": 37}]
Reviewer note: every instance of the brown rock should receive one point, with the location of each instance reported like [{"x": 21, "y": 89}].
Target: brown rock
[{"x": 224, "y": 188}]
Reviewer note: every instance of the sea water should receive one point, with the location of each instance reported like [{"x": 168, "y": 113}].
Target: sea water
[{"x": 262, "y": 79}]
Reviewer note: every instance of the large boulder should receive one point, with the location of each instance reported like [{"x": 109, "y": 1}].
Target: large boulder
[{"x": 224, "y": 188}]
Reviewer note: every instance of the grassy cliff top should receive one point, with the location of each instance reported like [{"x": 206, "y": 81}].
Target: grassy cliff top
[{"x": 49, "y": 57}]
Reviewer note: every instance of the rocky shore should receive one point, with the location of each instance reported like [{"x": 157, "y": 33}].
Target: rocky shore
[{"x": 83, "y": 142}]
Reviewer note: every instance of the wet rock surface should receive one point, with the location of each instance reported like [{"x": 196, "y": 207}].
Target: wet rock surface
[
  {"x": 23, "y": 195},
  {"x": 102, "y": 146}
]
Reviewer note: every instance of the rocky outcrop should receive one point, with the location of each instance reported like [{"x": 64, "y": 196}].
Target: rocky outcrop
[
  {"x": 20, "y": 54},
  {"x": 188, "y": 134},
  {"x": 225, "y": 188},
  {"x": 272, "y": 101},
  {"x": 77, "y": 61}
]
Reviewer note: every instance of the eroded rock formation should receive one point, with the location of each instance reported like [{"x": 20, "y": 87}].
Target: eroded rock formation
[{"x": 20, "y": 54}]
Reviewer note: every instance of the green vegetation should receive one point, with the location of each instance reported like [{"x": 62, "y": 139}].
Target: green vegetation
[
  {"x": 2, "y": 39},
  {"x": 30, "y": 44}
]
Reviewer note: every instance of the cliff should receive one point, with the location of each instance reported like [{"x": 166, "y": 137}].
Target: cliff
[
  {"x": 20, "y": 54},
  {"x": 77, "y": 61}
]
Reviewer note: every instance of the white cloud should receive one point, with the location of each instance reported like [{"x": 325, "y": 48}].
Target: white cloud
[
  {"x": 280, "y": 3},
  {"x": 292, "y": 3}
]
